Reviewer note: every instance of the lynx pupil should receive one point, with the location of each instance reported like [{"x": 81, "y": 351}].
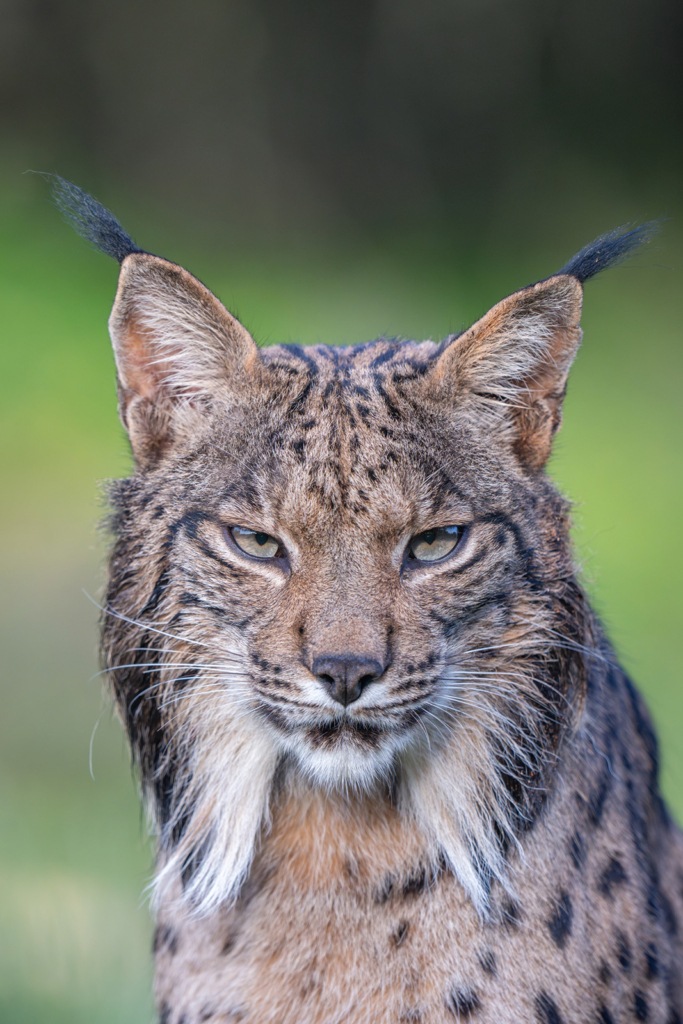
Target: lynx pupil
[{"x": 255, "y": 542}]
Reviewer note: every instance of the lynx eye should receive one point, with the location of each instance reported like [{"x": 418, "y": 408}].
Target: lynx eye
[
  {"x": 433, "y": 545},
  {"x": 254, "y": 542}
]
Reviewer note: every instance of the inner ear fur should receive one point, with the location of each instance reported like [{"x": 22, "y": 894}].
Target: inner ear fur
[
  {"x": 514, "y": 363},
  {"x": 176, "y": 347}
]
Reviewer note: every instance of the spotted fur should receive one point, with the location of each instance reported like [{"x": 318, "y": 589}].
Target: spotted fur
[{"x": 479, "y": 835}]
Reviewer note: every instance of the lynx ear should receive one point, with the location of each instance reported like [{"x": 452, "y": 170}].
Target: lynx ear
[
  {"x": 513, "y": 364},
  {"x": 176, "y": 346}
]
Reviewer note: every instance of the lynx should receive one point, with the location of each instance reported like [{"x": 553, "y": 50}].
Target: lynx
[{"x": 395, "y": 770}]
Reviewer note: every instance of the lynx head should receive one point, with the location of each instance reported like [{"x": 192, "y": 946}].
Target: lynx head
[{"x": 340, "y": 565}]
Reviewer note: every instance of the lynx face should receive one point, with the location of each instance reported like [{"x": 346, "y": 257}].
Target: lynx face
[
  {"x": 361, "y": 555},
  {"x": 340, "y": 568}
]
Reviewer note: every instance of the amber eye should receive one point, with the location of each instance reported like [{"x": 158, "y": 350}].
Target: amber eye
[
  {"x": 433, "y": 545},
  {"x": 255, "y": 543}
]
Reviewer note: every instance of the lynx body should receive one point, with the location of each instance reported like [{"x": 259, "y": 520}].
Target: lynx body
[{"x": 396, "y": 770}]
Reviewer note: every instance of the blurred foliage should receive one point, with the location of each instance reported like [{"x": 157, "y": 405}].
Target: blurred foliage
[{"x": 333, "y": 172}]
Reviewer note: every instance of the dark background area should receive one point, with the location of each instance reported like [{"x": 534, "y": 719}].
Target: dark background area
[
  {"x": 303, "y": 115},
  {"x": 333, "y": 172}
]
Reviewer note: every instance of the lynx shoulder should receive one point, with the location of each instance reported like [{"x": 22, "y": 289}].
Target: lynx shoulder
[{"x": 396, "y": 770}]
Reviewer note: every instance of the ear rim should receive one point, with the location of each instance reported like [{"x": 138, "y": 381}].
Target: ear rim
[
  {"x": 138, "y": 266},
  {"x": 163, "y": 319},
  {"x": 543, "y": 319}
]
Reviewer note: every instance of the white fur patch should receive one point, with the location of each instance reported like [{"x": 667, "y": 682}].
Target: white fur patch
[{"x": 232, "y": 758}]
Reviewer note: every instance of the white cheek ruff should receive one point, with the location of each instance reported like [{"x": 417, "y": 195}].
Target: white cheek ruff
[{"x": 231, "y": 761}]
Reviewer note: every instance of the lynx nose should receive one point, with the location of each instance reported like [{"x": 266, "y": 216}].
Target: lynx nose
[{"x": 345, "y": 676}]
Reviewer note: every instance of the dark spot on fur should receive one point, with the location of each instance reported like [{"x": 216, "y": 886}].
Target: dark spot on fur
[
  {"x": 182, "y": 1019},
  {"x": 164, "y": 1013},
  {"x": 351, "y": 870},
  {"x": 604, "y": 1016},
  {"x": 228, "y": 943},
  {"x": 399, "y": 934},
  {"x": 623, "y": 952},
  {"x": 613, "y": 875},
  {"x": 463, "y": 1002},
  {"x": 206, "y": 1013},
  {"x": 385, "y": 892},
  {"x": 416, "y": 883},
  {"x": 651, "y": 961},
  {"x": 605, "y": 974},
  {"x": 596, "y": 800},
  {"x": 165, "y": 938},
  {"x": 652, "y": 896},
  {"x": 577, "y": 850},
  {"x": 560, "y": 923},
  {"x": 640, "y": 1007},
  {"x": 546, "y": 1010},
  {"x": 512, "y": 915},
  {"x": 488, "y": 962}
]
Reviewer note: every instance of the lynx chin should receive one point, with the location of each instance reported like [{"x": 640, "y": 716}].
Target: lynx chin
[{"x": 396, "y": 771}]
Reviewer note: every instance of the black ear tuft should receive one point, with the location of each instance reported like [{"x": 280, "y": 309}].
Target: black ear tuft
[
  {"x": 609, "y": 250},
  {"x": 92, "y": 221}
]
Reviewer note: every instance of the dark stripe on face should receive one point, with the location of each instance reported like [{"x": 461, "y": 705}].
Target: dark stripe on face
[
  {"x": 393, "y": 411},
  {"x": 190, "y": 522},
  {"x": 160, "y": 588},
  {"x": 451, "y": 627},
  {"x": 384, "y": 357}
]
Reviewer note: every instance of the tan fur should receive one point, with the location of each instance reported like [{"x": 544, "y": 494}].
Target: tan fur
[{"x": 319, "y": 939}]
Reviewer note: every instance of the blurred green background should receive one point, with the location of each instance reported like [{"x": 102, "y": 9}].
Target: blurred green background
[{"x": 334, "y": 172}]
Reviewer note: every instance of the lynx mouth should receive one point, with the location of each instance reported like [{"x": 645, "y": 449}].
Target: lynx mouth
[{"x": 329, "y": 735}]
